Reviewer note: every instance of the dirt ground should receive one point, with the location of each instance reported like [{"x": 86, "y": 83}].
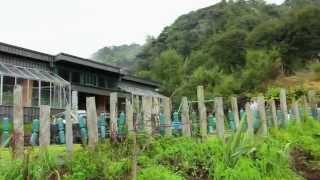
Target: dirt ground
[{"x": 303, "y": 162}]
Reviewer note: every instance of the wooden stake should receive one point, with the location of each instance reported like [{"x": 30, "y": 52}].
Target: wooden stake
[
  {"x": 312, "y": 103},
  {"x": 296, "y": 112},
  {"x": 283, "y": 106},
  {"x": 113, "y": 114},
  {"x": 274, "y": 113},
  {"x": 262, "y": 115},
  {"x": 186, "y": 131},
  {"x": 249, "y": 113},
  {"x": 234, "y": 106},
  {"x": 92, "y": 122},
  {"x": 44, "y": 135},
  {"x": 147, "y": 110},
  {"x": 129, "y": 116},
  {"x": 167, "y": 116},
  {"x": 69, "y": 132},
  {"x": 202, "y": 112},
  {"x": 220, "y": 117},
  {"x": 18, "y": 131}
]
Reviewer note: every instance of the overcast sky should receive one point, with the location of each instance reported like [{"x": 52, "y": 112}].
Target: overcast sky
[{"x": 80, "y": 27}]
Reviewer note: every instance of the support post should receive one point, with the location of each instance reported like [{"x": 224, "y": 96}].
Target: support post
[
  {"x": 262, "y": 115},
  {"x": 218, "y": 106},
  {"x": 167, "y": 116},
  {"x": 147, "y": 110},
  {"x": 234, "y": 107},
  {"x": 274, "y": 113},
  {"x": 69, "y": 132},
  {"x": 92, "y": 122},
  {"x": 283, "y": 106},
  {"x": 39, "y": 93},
  {"x": 129, "y": 117},
  {"x": 313, "y": 103},
  {"x": 44, "y": 136},
  {"x": 113, "y": 114},
  {"x": 18, "y": 131},
  {"x": 296, "y": 113},
  {"x": 186, "y": 131},
  {"x": 1, "y": 89},
  {"x": 249, "y": 113},
  {"x": 202, "y": 112},
  {"x": 50, "y": 93}
]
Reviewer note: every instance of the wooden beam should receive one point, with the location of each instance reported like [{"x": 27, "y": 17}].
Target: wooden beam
[
  {"x": 92, "y": 122},
  {"x": 18, "y": 130},
  {"x": 202, "y": 112},
  {"x": 295, "y": 110},
  {"x": 167, "y": 116},
  {"x": 44, "y": 135},
  {"x": 129, "y": 117},
  {"x": 147, "y": 111},
  {"x": 220, "y": 117},
  {"x": 235, "y": 110},
  {"x": 262, "y": 115},
  {"x": 186, "y": 131},
  {"x": 249, "y": 113},
  {"x": 69, "y": 132},
  {"x": 283, "y": 106},
  {"x": 274, "y": 113},
  {"x": 113, "y": 113}
]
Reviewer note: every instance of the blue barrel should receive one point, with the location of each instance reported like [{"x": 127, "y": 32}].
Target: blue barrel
[
  {"x": 35, "y": 132},
  {"x": 211, "y": 123},
  {"x": 176, "y": 123},
  {"x": 61, "y": 131},
  {"x": 83, "y": 130},
  {"x": 5, "y": 131},
  {"x": 121, "y": 123},
  {"x": 231, "y": 120},
  {"x": 162, "y": 123},
  {"x": 102, "y": 125}
]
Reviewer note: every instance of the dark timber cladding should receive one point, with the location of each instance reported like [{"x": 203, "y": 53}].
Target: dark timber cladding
[{"x": 58, "y": 80}]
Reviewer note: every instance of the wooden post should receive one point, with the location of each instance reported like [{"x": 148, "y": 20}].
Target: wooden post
[
  {"x": 186, "y": 131},
  {"x": 92, "y": 122},
  {"x": 129, "y": 117},
  {"x": 69, "y": 132},
  {"x": 295, "y": 110},
  {"x": 312, "y": 103},
  {"x": 220, "y": 117},
  {"x": 202, "y": 112},
  {"x": 44, "y": 135},
  {"x": 147, "y": 110},
  {"x": 249, "y": 113},
  {"x": 113, "y": 114},
  {"x": 156, "y": 111},
  {"x": 262, "y": 115},
  {"x": 306, "y": 106},
  {"x": 274, "y": 113},
  {"x": 283, "y": 106},
  {"x": 234, "y": 106},
  {"x": 18, "y": 131},
  {"x": 1, "y": 89},
  {"x": 167, "y": 116}
]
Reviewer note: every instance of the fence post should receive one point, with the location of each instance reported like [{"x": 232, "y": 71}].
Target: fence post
[
  {"x": 262, "y": 115},
  {"x": 218, "y": 103},
  {"x": 283, "y": 106},
  {"x": 69, "y": 132},
  {"x": 234, "y": 107},
  {"x": 147, "y": 110},
  {"x": 167, "y": 116},
  {"x": 312, "y": 103},
  {"x": 274, "y": 113},
  {"x": 186, "y": 131},
  {"x": 113, "y": 114},
  {"x": 129, "y": 116},
  {"x": 296, "y": 112},
  {"x": 92, "y": 122},
  {"x": 249, "y": 113},
  {"x": 44, "y": 135},
  {"x": 18, "y": 131},
  {"x": 202, "y": 112}
]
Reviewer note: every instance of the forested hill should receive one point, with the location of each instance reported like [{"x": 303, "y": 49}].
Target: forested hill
[
  {"x": 233, "y": 47},
  {"x": 124, "y": 55}
]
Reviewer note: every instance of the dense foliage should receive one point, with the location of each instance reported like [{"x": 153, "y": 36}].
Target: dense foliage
[
  {"x": 241, "y": 157},
  {"x": 233, "y": 47},
  {"x": 123, "y": 56}
]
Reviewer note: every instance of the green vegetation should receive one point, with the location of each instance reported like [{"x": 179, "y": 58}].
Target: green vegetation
[
  {"x": 241, "y": 157},
  {"x": 233, "y": 47},
  {"x": 123, "y": 56}
]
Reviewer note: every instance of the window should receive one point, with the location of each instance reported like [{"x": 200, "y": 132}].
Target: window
[{"x": 89, "y": 79}]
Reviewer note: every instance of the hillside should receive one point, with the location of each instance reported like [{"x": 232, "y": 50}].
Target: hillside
[
  {"x": 124, "y": 55},
  {"x": 235, "y": 47}
]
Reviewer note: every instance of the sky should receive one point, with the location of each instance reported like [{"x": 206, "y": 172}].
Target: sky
[{"x": 81, "y": 27}]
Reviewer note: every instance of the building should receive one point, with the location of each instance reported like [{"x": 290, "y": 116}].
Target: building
[{"x": 58, "y": 80}]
